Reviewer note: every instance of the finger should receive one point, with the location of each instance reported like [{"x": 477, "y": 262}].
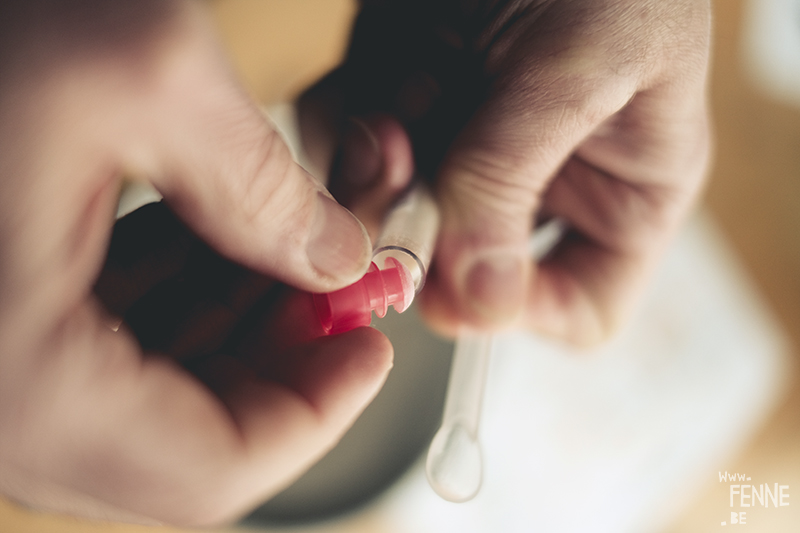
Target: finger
[
  {"x": 582, "y": 293},
  {"x": 623, "y": 191},
  {"x": 369, "y": 156},
  {"x": 490, "y": 188},
  {"x": 142, "y": 438},
  {"x": 338, "y": 375},
  {"x": 231, "y": 178},
  {"x": 621, "y": 224},
  {"x": 292, "y": 418},
  {"x": 375, "y": 164}
]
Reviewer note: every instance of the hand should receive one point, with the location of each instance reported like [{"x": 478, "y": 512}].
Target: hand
[
  {"x": 594, "y": 112},
  {"x": 106, "y": 423}
]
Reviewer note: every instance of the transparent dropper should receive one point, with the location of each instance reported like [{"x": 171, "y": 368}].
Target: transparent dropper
[{"x": 454, "y": 466}]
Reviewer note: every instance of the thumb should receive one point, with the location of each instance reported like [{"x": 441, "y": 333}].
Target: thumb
[
  {"x": 231, "y": 178},
  {"x": 490, "y": 187}
]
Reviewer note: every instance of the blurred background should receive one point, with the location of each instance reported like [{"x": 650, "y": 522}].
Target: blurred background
[{"x": 635, "y": 436}]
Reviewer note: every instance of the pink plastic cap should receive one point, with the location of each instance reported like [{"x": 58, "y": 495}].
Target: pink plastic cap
[{"x": 352, "y": 307}]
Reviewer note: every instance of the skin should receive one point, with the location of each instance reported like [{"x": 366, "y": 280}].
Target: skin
[
  {"x": 593, "y": 112},
  {"x": 189, "y": 413},
  {"x": 164, "y": 372}
]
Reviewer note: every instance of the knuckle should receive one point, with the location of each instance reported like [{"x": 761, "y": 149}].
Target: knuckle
[{"x": 496, "y": 184}]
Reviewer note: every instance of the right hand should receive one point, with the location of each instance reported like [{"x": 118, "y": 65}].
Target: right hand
[{"x": 593, "y": 112}]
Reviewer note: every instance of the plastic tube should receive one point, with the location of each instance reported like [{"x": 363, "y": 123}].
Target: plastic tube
[
  {"x": 454, "y": 465},
  {"x": 409, "y": 233}
]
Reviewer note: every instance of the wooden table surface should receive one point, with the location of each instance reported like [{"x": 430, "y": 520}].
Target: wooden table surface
[{"x": 282, "y": 45}]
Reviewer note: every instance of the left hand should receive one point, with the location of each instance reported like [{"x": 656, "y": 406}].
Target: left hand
[{"x": 211, "y": 396}]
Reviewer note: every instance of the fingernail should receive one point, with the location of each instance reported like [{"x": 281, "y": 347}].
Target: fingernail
[
  {"x": 496, "y": 287},
  {"x": 338, "y": 245},
  {"x": 360, "y": 156}
]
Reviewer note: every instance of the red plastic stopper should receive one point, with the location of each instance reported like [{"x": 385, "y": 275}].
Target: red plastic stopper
[{"x": 352, "y": 307}]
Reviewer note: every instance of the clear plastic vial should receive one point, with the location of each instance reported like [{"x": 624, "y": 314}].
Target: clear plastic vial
[{"x": 409, "y": 233}]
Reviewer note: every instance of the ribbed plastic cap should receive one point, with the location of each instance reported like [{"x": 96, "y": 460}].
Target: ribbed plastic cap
[{"x": 352, "y": 306}]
